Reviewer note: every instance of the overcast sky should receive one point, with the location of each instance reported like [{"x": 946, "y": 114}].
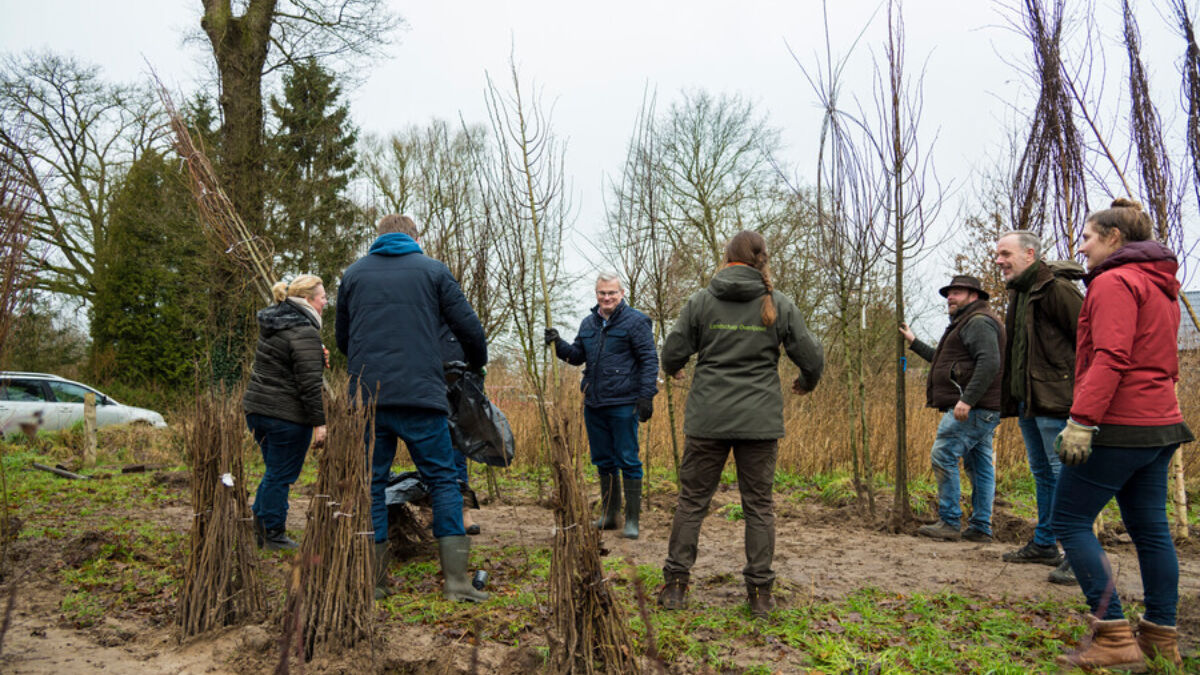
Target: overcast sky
[{"x": 593, "y": 62}]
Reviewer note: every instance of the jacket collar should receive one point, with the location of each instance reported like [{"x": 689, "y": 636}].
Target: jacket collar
[{"x": 616, "y": 312}]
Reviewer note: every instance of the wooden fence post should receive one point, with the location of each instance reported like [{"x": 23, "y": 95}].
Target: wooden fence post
[{"x": 89, "y": 429}]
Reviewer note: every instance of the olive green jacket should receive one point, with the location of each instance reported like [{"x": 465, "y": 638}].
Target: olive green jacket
[{"x": 735, "y": 393}]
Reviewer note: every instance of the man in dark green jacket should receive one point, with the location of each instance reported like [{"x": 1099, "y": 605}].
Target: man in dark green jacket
[
  {"x": 964, "y": 384},
  {"x": 735, "y": 327},
  {"x": 1039, "y": 374}
]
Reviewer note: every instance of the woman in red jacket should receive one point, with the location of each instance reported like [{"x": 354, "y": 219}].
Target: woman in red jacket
[{"x": 1125, "y": 425}]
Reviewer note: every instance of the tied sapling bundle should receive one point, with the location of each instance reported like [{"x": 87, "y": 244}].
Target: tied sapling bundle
[{"x": 221, "y": 586}]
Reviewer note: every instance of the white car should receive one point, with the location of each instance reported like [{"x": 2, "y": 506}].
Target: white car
[{"x": 52, "y": 403}]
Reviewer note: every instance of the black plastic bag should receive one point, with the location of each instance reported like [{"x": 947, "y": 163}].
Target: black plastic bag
[
  {"x": 478, "y": 429},
  {"x": 408, "y": 488}
]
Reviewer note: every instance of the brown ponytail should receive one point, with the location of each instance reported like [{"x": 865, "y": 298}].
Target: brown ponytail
[
  {"x": 749, "y": 248},
  {"x": 1126, "y": 217}
]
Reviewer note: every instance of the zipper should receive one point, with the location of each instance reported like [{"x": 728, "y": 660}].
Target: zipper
[{"x": 600, "y": 353}]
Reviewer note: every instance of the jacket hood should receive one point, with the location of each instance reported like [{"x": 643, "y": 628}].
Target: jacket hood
[
  {"x": 1156, "y": 261},
  {"x": 737, "y": 283},
  {"x": 395, "y": 243},
  {"x": 282, "y": 316}
]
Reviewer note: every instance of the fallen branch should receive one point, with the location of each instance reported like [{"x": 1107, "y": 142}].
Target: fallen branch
[{"x": 60, "y": 472}]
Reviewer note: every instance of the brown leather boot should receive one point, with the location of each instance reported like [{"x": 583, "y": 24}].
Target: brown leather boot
[
  {"x": 1110, "y": 645},
  {"x": 674, "y": 592},
  {"x": 760, "y": 600},
  {"x": 1158, "y": 641}
]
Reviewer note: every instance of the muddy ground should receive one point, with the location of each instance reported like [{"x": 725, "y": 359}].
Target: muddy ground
[{"x": 822, "y": 553}]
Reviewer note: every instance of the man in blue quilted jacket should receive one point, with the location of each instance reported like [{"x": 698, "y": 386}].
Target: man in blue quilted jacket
[
  {"x": 392, "y": 304},
  {"x": 616, "y": 345}
]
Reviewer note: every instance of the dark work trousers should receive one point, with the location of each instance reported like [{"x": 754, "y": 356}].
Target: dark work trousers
[{"x": 699, "y": 474}]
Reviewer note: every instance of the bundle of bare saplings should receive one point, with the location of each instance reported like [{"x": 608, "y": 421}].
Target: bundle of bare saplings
[
  {"x": 331, "y": 594},
  {"x": 221, "y": 586},
  {"x": 589, "y": 624}
]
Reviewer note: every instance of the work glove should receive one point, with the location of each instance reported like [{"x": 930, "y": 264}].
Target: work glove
[
  {"x": 645, "y": 409},
  {"x": 1074, "y": 443},
  {"x": 552, "y": 336}
]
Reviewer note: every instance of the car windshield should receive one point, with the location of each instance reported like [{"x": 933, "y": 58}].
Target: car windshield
[{"x": 69, "y": 392}]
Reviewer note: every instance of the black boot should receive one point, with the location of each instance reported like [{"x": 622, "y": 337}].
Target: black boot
[
  {"x": 633, "y": 507},
  {"x": 383, "y": 556},
  {"x": 610, "y": 501},
  {"x": 277, "y": 540}
]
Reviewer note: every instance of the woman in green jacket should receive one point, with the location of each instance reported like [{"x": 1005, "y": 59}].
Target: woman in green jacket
[{"x": 735, "y": 327}]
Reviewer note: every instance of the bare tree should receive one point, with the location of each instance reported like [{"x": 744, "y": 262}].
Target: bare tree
[
  {"x": 1050, "y": 181},
  {"x": 912, "y": 199},
  {"x": 526, "y": 201},
  {"x": 714, "y": 160},
  {"x": 266, "y": 35},
  {"x": 69, "y": 136},
  {"x": 850, "y": 243},
  {"x": 657, "y": 278},
  {"x": 1160, "y": 190},
  {"x": 430, "y": 173}
]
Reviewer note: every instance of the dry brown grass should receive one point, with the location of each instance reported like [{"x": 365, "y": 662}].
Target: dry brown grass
[{"x": 817, "y": 425}]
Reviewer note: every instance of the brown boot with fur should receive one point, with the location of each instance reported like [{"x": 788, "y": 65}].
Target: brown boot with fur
[
  {"x": 1110, "y": 645},
  {"x": 1158, "y": 641}
]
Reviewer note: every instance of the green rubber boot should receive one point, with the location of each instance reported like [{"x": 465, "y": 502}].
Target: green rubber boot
[
  {"x": 610, "y": 501},
  {"x": 633, "y": 507},
  {"x": 383, "y": 556},
  {"x": 455, "y": 553}
]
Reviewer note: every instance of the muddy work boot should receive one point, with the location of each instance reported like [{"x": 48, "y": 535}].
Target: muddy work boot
[
  {"x": 1110, "y": 645},
  {"x": 760, "y": 600},
  {"x": 940, "y": 530},
  {"x": 383, "y": 556},
  {"x": 1035, "y": 553},
  {"x": 1159, "y": 643},
  {"x": 455, "y": 552},
  {"x": 674, "y": 592},
  {"x": 277, "y": 540},
  {"x": 610, "y": 501},
  {"x": 977, "y": 536},
  {"x": 1063, "y": 574},
  {"x": 633, "y": 507}
]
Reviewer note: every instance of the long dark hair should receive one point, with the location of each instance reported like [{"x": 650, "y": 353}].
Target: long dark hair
[{"x": 749, "y": 248}]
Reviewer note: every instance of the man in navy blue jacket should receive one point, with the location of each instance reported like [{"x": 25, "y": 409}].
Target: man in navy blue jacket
[
  {"x": 616, "y": 344},
  {"x": 391, "y": 306}
]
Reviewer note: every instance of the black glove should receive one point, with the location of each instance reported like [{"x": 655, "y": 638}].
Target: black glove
[
  {"x": 645, "y": 409},
  {"x": 552, "y": 336}
]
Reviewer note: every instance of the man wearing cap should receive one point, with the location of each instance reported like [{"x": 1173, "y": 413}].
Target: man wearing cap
[
  {"x": 1039, "y": 373},
  {"x": 964, "y": 383}
]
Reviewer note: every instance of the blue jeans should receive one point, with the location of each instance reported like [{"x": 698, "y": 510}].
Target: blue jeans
[
  {"x": 428, "y": 439},
  {"x": 284, "y": 445},
  {"x": 460, "y": 468},
  {"x": 972, "y": 442},
  {"x": 1039, "y": 434},
  {"x": 613, "y": 438},
  {"x": 1138, "y": 479}
]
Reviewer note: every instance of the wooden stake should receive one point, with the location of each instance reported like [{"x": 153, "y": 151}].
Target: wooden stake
[{"x": 89, "y": 428}]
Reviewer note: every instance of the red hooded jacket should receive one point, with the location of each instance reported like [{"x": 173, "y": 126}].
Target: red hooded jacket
[{"x": 1127, "y": 359}]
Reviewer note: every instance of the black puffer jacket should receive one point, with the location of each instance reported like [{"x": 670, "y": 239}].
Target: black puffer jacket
[{"x": 285, "y": 382}]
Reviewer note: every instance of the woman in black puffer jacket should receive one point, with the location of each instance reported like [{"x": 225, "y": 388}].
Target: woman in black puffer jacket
[{"x": 283, "y": 402}]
